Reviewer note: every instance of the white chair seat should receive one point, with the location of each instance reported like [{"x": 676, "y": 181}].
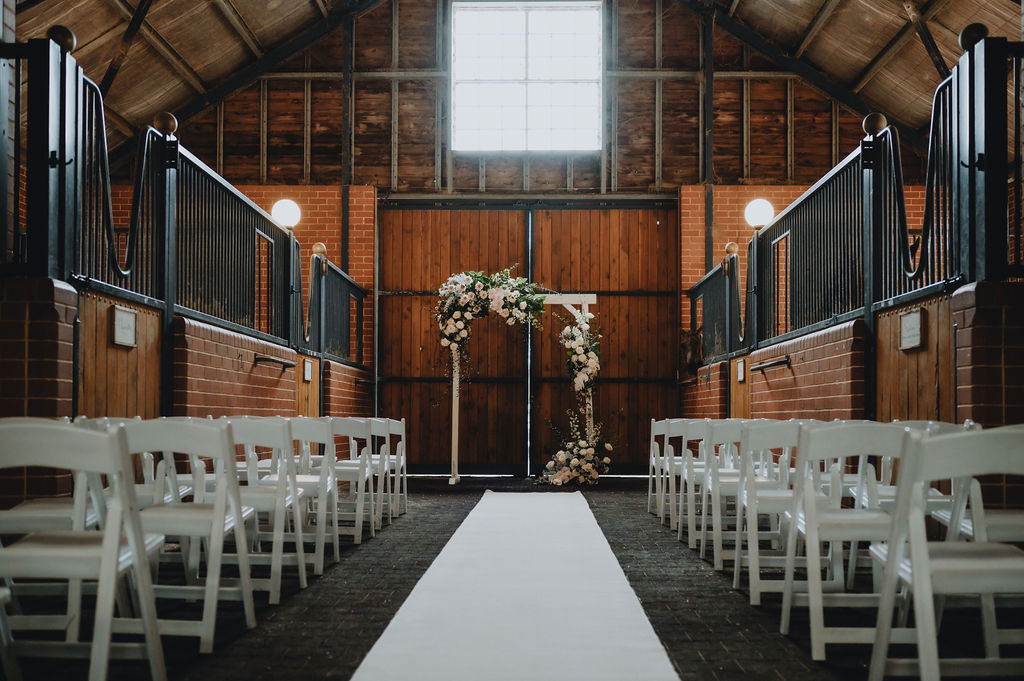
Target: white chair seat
[
  {"x": 264, "y": 498},
  {"x": 1005, "y": 525},
  {"x": 967, "y": 567},
  {"x": 53, "y": 513},
  {"x": 186, "y": 519},
  {"x": 79, "y": 551},
  {"x": 844, "y": 524}
]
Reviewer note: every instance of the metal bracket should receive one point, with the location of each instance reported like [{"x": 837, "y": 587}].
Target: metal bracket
[
  {"x": 781, "y": 362},
  {"x": 260, "y": 359}
]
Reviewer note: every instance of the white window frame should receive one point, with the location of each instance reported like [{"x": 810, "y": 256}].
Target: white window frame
[{"x": 598, "y": 81}]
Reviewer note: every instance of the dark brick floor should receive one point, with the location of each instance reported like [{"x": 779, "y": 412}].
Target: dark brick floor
[{"x": 709, "y": 630}]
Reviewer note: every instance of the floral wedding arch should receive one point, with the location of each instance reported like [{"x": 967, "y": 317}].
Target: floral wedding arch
[{"x": 470, "y": 295}]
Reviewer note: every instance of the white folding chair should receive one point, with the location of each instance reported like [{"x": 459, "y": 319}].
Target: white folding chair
[
  {"x": 399, "y": 465},
  {"x": 692, "y": 477},
  {"x": 8, "y": 662},
  {"x": 318, "y": 484},
  {"x": 105, "y": 556},
  {"x": 210, "y": 516},
  {"x": 758, "y": 439},
  {"x": 982, "y": 568},
  {"x": 822, "y": 520},
  {"x": 360, "y": 505},
  {"x": 274, "y": 498},
  {"x": 655, "y": 492}
]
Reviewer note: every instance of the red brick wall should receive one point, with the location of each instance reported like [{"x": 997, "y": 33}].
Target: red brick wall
[
  {"x": 214, "y": 373},
  {"x": 36, "y": 369},
  {"x": 362, "y": 234},
  {"x": 343, "y": 396},
  {"x": 989, "y": 321},
  {"x": 824, "y": 380},
  {"x": 708, "y": 397},
  {"x": 36, "y": 347}
]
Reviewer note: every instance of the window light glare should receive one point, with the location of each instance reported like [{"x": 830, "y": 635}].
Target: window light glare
[{"x": 286, "y": 212}]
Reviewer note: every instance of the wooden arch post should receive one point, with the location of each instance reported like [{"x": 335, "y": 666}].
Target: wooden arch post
[{"x": 566, "y": 300}]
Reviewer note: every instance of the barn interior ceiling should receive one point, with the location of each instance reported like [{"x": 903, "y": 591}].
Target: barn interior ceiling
[{"x": 189, "y": 56}]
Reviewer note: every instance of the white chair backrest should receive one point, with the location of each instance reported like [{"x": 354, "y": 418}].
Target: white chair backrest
[
  {"x": 396, "y": 427},
  {"x": 272, "y": 432},
  {"x": 826, "y": 448},
  {"x": 759, "y": 438}
]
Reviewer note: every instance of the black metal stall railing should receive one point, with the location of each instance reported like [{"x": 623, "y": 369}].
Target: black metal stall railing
[
  {"x": 808, "y": 260},
  {"x": 714, "y": 308},
  {"x": 193, "y": 244}
]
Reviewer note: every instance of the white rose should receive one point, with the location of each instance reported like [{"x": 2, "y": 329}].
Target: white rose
[
  {"x": 511, "y": 321},
  {"x": 469, "y": 315},
  {"x": 608, "y": 446},
  {"x": 463, "y": 333},
  {"x": 504, "y": 312},
  {"x": 590, "y": 450},
  {"x": 460, "y": 324},
  {"x": 479, "y": 286},
  {"x": 561, "y": 457},
  {"x": 456, "y": 315},
  {"x": 606, "y": 460},
  {"x": 445, "y": 342},
  {"x": 583, "y": 443},
  {"x": 574, "y": 462},
  {"x": 522, "y": 305},
  {"x": 551, "y": 465},
  {"x": 579, "y": 350}
]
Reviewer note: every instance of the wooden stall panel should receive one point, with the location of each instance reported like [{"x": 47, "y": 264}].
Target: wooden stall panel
[
  {"x": 115, "y": 380},
  {"x": 917, "y": 383},
  {"x": 416, "y": 118},
  {"x": 634, "y": 126},
  {"x": 492, "y": 418},
  {"x": 372, "y": 133},
  {"x": 307, "y": 393},
  {"x": 242, "y": 122},
  {"x": 768, "y": 129},
  {"x": 285, "y": 106},
  {"x": 739, "y": 388}
]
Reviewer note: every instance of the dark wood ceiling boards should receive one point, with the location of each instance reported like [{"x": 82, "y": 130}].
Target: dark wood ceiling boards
[{"x": 275, "y": 91}]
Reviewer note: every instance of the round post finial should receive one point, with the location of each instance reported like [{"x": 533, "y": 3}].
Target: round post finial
[
  {"x": 320, "y": 249},
  {"x": 63, "y": 36},
  {"x": 971, "y": 35},
  {"x": 875, "y": 123},
  {"x": 732, "y": 248},
  {"x": 165, "y": 123}
]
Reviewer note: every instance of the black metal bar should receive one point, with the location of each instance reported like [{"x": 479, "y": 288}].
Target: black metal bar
[
  {"x": 708, "y": 109},
  {"x": 165, "y": 200},
  {"x": 874, "y": 174},
  {"x": 42, "y": 153},
  {"x": 267, "y": 359},
  {"x": 989, "y": 171},
  {"x": 781, "y": 362},
  {"x": 928, "y": 41},
  {"x": 344, "y": 225},
  {"x": 126, "y": 42}
]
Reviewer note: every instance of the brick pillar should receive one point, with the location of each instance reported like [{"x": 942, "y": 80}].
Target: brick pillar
[
  {"x": 989, "y": 320},
  {"x": 362, "y": 229}
]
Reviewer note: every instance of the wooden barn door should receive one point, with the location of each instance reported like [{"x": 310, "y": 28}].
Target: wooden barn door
[
  {"x": 419, "y": 249},
  {"x": 629, "y": 257}
]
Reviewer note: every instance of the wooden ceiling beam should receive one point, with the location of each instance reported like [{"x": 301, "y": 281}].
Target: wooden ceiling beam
[
  {"x": 927, "y": 40},
  {"x": 119, "y": 121},
  {"x": 126, "y": 42},
  {"x": 346, "y": 10},
  {"x": 824, "y": 12},
  {"x": 322, "y": 6},
  {"x": 733, "y": 6},
  {"x": 811, "y": 75},
  {"x": 894, "y": 46},
  {"x": 163, "y": 48},
  {"x": 231, "y": 13}
]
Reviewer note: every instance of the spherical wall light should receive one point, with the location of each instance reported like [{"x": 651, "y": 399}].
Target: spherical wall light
[
  {"x": 286, "y": 212},
  {"x": 759, "y": 213}
]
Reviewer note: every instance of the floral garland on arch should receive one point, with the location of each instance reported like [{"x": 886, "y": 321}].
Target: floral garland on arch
[
  {"x": 469, "y": 295},
  {"x": 584, "y": 456}
]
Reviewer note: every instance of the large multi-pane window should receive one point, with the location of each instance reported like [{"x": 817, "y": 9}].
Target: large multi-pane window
[{"x": 526, "y": 76}]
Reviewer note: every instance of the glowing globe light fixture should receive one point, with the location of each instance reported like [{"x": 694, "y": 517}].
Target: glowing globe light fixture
[
  {"x": 286, "y": 212},
  {"x": 759, "y": 213}
]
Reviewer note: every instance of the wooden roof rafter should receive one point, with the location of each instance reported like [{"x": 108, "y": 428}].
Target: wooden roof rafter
[
  {"x": 819, "y": 21},
  {"x": 810, "y": 74},
  {"x": 126, "y": 43},
  {"x": 894, "y": 46},
  {"x": 343, "y": 11},
  {"x": 163, "y": 48},
  {"x": 234, "y": 17}
]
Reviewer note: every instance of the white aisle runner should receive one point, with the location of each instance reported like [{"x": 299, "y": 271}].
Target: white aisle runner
[{"x": 527, "y": 589}]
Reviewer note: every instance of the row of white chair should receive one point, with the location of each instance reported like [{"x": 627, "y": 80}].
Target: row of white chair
[
  {"x": 830, "y": 484},
  {"x": 113, "y": 529}
]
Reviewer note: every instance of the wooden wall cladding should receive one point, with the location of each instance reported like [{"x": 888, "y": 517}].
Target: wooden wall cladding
[
  {"x": 115, "y": 380},
  {"x": 918, "y": 383},
  {"x": 307, "y": 393},
  {"x": 399, "y": 115}
]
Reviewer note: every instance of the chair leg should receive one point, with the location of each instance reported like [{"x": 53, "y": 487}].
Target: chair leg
[
  {"x": 357, "y": 533},
  {"x": 814, "y": 595},
  {"x": 99, "y": 658},
  {"x": 300, "y": 549},
  {"x": 737, "y": 551},
  {"x": 790, "y": 576},
  {"x": 277, "y": 555},
  {"x": 245, "y": 577},
  {"x": 989, "y": 629}
]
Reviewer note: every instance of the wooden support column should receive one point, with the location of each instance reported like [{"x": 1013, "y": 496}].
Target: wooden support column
[
  {"x": 307, "y": 125},
  {"x": 347, "y": 132},
  {"x": 746, "y": 115},
  {"x": 263, "y": 132},
  {"x": 658, "y": 95},
  {"x": 790, "y": 132},
  {"x": 394, "y": 97},
  {"x": 707, "y": 110},
  {"x": 220, "y": 137}
]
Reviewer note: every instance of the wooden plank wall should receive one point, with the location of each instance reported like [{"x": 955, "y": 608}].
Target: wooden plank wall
[
  {"x": 629, "y": 257},
  {"x": 919, "y": 383},
  {"x": 419, "y": 250},
  {"x": 307, "y": 394},
  {"x": 768, "y": 126},
  {"x": 739, "y": 391},
  {"x": 115, "y": 380}
]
